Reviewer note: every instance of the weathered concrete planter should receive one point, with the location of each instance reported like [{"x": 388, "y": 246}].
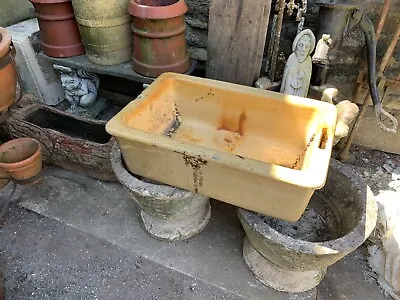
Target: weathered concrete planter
[
  {"x": 293, "y": 257},
  {"x": 105, "y": 30},
  {"x": 168, "y": 213},
  {"x": 69, "y": 142},
  {"x": 59, "y": 34}
]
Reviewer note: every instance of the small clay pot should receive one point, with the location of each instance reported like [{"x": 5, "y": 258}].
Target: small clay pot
[
  {"x": 21, "y": 158},
  {"x": 8, "y": 75},
  {"x": 159, "y": 37}
]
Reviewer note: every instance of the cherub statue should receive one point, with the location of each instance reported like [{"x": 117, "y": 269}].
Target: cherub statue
[
  {"x": 297, "y": 74},
  {"x": 80, "y": 86}
]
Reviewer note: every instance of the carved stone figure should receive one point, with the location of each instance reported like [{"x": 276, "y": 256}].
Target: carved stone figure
[
  {"x": 80, "y": 86},
  {"x": 321, "y": 51},
  {"x": 297, "y": 74}
]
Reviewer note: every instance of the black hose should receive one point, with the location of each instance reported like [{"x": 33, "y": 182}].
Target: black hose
[{"x": 369, "y": 32}]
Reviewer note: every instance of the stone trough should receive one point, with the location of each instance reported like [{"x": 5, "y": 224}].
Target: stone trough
[{"x": 70, "y": 142}]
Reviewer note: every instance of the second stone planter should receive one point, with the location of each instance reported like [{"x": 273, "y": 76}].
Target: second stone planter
[
  {"x": 105, "y": 30},
  {"x": 167, "y": 213}
]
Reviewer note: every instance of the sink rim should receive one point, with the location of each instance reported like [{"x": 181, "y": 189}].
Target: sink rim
[{"x": 311, "y": 177}]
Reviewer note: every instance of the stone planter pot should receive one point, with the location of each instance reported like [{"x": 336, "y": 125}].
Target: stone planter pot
[
  {"x": 105, "y": 30},
  {"x": 8, "y": 75},
  {"x": 159, "y": 37},
  {"x": 21, "y": 158},
  {"x": 59, "y": 34},
  {"x": 72, "y": 143},
  {"x": 293, "y": 257},
  {"x": 168, "y": 213}
]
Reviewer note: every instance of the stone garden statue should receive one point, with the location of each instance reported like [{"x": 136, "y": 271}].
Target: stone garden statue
[
  {"x": 80, "y": 86},
  {"x": 297, "y": 74}
]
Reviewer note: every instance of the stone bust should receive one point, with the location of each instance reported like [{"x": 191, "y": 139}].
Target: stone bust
[{"x": 297, "y": 74}]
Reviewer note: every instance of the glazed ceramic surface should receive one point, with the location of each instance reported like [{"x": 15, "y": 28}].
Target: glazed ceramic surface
[{"x": 255, "y": 149}]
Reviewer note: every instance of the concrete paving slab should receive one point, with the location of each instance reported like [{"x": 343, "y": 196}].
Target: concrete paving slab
[
  {"x": 214, "y": 257},
  {"x": 106, "y": 211},
  {"x": 43, "y": 259}
]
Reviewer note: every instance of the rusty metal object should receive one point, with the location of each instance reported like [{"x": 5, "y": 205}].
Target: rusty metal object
[
  {"x": 336, "y": 20},
  {"x": 105, "y": 27},
  {"x": 277, "y": 38},
  {"x": 344, "y": 153},
  {"x": 8, "y": 73},
  {"x": 363, "y": 73},
  {"x": 59, "y": 34},
  {"x": 159, "y": 37}
]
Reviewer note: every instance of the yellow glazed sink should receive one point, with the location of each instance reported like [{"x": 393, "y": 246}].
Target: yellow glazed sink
[{"x": 259, "y": 150}]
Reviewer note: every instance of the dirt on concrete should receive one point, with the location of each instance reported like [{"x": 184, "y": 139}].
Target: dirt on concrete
[{"x": 380, "y": 170}]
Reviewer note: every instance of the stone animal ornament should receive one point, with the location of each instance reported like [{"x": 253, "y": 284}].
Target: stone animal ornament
[
  {"x": 384, "y": 254},
  {"x": 297, "y": 74},
  {"x": 80, "y": 86}
]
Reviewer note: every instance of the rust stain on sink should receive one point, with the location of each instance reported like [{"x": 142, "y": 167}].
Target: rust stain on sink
[{"x": 196, "y": 163}]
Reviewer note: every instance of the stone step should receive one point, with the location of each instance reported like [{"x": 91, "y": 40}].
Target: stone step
[{"x": 214, "y": 257}]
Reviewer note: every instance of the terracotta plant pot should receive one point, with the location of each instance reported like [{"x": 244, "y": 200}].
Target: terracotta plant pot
[
  {"x": 21, "y": 158},
  {"x": 8, "y": 75},
  {"x": 159, "y": 37},
  {"x": 59, "y": 34},
  {"x": 105, "y": 28}
]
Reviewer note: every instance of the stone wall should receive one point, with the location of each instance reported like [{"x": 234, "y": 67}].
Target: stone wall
[
  {"x": 14, "y": 11},
  {"x": 343, "y": 75}
]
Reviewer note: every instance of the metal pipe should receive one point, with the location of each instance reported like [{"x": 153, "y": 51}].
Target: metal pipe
[
  {"x": 282, "y": 5},
  {"x": 390, "y": 50},
  {"x": 344, "y": 154}
]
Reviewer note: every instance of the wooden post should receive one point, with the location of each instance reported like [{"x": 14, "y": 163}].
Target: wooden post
[{"x": 237, "y": 31}]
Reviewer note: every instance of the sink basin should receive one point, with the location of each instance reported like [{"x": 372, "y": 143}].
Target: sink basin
[{"x": 259, "y": 150}]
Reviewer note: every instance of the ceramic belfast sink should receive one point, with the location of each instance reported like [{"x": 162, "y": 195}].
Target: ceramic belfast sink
[{"x": 259, "y": 150}]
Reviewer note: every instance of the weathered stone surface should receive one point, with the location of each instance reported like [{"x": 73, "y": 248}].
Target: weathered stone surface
[
  {"x": 199, "y": 54},
  {"x": 351, "y": 220},
  {"x": 278, "y": 278},
  {"x": 199, "y": 8},
  {"x": 168, "y": 213},
  {"x": 370, "y": 135},
  {"x": 196, "y": 36},
  {"x": 14, "y": 11},
  {"x": 65, "y": 150}
]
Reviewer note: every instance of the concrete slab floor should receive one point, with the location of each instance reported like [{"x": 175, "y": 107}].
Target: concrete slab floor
[{"x": 72, "y": 237}]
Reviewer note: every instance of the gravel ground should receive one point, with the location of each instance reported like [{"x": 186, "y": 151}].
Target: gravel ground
[{"x": 379, "y": 169}]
